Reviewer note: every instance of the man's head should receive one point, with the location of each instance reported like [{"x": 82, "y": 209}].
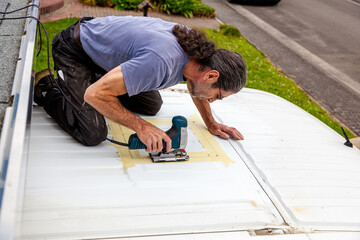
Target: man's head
[
  {"x": 223, "y": 75},
  {"x": 232, "y": 70},
  {"x": 227, "y": 69}
]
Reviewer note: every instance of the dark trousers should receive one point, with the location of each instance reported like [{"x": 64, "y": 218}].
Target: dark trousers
[{"x": 72, "y": 113}]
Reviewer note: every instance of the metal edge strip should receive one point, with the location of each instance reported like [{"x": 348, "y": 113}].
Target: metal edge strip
[{"x": 17, "y": 137}]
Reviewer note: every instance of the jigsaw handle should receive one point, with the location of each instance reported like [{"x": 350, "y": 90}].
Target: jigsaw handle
[
  {"x": 135, "y": 143},
  {"x": 174, "y": 133}
]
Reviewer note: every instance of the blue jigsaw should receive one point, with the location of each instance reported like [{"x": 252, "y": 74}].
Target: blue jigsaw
[{"x": 178, "y": 136}]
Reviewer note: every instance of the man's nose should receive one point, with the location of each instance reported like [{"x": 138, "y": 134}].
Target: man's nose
[{"x": 210, "y": 100}]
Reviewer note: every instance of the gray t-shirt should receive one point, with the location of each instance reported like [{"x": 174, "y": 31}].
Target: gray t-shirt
[{"x": 148, "y": 52}]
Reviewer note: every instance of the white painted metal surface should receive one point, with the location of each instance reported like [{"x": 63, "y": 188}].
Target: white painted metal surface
[
  {"x": 290, "y": 166},
  {"x": 308, "y": 171}
]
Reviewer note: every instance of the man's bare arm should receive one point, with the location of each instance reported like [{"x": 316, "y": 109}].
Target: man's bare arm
[{"x": 102, "y": 95}]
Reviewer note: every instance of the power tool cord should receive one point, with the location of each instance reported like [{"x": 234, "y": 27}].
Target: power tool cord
[{"x": 48, "y": 64}]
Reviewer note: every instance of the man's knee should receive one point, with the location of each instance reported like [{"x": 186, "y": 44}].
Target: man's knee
[
  {"x": 152, "y": 108},
  {"x": 94, "y": 141},
  {"x": 147, "y": 103},
  {"x": 93, "y": 138}
]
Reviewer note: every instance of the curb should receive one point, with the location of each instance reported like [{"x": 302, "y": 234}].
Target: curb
[{"x": 47, "y": 6}]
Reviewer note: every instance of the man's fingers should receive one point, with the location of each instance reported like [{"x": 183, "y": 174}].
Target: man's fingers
[
  {"x": 150, "y": 146},
  {"x": 235, "y": 133},
  {"x": 152, "y": 142},
  {"x": 222, "y": 134},
  {"x": 159, "y": 145},
  {"x": 241, "y": 137},
  {"x": 168, "y": 142},
  {"x": 155, "y": 143},
  {"x": 225, "y": 131}
]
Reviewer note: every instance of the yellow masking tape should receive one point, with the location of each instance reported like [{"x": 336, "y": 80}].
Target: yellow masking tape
[{"x": 213, "y": 152}]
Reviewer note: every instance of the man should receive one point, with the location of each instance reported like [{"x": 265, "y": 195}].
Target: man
[{"x": 114, "y": 67}]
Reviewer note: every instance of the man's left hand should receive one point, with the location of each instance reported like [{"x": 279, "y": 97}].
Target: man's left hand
[{"x": 225, "y": 132}]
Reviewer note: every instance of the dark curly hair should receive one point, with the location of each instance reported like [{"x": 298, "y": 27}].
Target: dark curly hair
[{"x": 229, "y": 64}]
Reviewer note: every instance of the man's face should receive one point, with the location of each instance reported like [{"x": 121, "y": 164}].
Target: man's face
[{"x": 205, "y": 91}]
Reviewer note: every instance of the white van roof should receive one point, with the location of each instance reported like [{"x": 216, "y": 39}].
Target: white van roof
[{"x": 291, "y": 174}]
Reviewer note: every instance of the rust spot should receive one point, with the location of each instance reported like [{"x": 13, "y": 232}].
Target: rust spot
[
  {"x": 253, "y": 203},
  {"x": 300, "y": 209}
]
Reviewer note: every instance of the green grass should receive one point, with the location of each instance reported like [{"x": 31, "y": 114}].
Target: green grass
[{"x": 262, "y": 74}]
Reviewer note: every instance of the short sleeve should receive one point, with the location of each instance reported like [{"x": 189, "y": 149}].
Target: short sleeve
[{"x": 145, "y": 72}]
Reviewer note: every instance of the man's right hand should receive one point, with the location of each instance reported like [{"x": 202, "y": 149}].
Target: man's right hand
[{"x": 153, "y": 138}]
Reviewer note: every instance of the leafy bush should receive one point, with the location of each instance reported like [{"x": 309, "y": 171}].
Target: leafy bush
[
  {"x": 126, "y": 4},
  {"x": 183, "y": 7},
  {"x": 101, "y": 3},
  {"x": 188, "y": 8},
  {"x": 229, "y": 30},
  {"x": 203, "y": 10},
  {"x": 104, "y": 3},
  {"x": 89, "y": 2}
]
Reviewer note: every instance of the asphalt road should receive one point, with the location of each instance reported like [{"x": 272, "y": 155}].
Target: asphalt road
[
  {"x": 329, "y": 29},
  {"x": 315, "y": 42}
]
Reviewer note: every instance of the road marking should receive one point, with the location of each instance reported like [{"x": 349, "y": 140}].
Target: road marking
[
  {"x": 354, "y": 2},
  {"x": 219, "y": 21},
  {"x": 300, "y": 50}
]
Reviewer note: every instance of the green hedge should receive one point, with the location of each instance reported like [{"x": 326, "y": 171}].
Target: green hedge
[
  {"x": 229, "y": 30},
  {"x": 126, "y": 4},
  {"x": 204, "y": 10},
  {"x": 101, "y": 3},
  {"x": 187, "y": 8}
]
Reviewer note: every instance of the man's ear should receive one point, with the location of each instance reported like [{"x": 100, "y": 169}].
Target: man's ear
[{"x": 212, "y": 76}]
